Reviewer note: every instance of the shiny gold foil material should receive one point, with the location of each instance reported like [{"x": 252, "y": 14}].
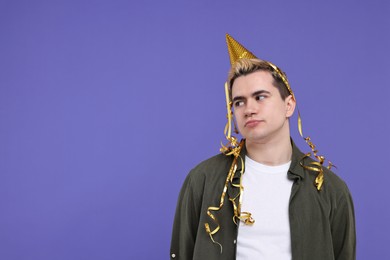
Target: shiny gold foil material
[
  {"x": 283, "y": 76},
  {"x": 229, "y": 179},
  {"x": 232, "y": 148},
  {"x": 237, "y": 51},
  {"x": 315, "y": 166}
]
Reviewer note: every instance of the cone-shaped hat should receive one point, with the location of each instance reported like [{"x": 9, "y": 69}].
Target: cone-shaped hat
[{"x": 236, "y": 50}]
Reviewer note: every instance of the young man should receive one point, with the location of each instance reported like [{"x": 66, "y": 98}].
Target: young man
[{"x": 262, "y": 198}]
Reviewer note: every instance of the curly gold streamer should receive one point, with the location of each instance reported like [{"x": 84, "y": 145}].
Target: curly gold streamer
[
  {"x": 232, "y": 140},
  {"x": 232, "y": 148},
  {"x": 211, "y": 233},
  {"x": 315, "y": 166},
  {"x": 283, "y": 76},
  {"x": 229, "y": 177},
  {"x": 228, "y": 129},
  {"x": 300, "y": 124},
  {"x": 246, "y": 217}
]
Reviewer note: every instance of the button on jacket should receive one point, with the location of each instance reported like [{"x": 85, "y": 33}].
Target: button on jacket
[{"x": 322, "y": 222}]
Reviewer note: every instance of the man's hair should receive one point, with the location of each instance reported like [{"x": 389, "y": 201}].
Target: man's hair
[{"x": 247, "y": 66}]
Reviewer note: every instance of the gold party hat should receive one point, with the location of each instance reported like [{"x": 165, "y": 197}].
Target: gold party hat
[{"x": 237, "y": 51}]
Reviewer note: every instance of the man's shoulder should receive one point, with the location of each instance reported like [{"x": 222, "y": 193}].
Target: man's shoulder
[
  {"x": 214, "y": 162},
  {"x": 215, "y": 165},
  {"x": 331, "y": 179},
  {"x": 210, "y": 172},
  {"x": 334, "y": 181}
]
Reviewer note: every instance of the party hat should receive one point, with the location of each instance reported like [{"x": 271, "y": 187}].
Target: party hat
[{"x": 237, "y": 51}]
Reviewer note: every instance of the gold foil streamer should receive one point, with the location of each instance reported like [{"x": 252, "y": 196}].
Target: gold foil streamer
[
  {"x": 245, "y": 217},
  {"x": 229, "y": 178},
  {"x": 283, "y": 76},
  {"x": 315, "y": 166},
  {"x": 232, "y": 148},
  {"x": 232, "y": 140}
]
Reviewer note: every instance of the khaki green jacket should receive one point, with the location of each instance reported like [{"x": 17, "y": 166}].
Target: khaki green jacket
[{"x": 322, "y": 222}]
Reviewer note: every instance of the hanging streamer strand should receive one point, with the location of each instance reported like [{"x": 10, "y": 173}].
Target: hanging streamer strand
[{"x": 315, "y": 166}]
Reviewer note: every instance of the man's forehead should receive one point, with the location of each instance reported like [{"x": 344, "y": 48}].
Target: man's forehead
[{"x": 256, "y": 81}]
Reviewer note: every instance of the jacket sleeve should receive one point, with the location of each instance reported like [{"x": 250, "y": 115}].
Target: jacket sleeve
[
  {"x": 186, "y": 219},
  {"x": 343, "y": 228}
]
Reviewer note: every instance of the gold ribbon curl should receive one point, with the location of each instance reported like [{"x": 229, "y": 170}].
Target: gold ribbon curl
[
  {"x": 313, "y": 166},
  {"x": 222, "y": 200},
  {"x": 316, "y": 166},
  {"x": 232, "y": 148},
  {"x": 232, "y": 145}
]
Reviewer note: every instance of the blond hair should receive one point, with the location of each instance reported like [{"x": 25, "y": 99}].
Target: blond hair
[{"x": 244, "y": 67}]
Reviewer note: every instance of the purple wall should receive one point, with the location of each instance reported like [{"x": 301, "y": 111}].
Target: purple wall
[{"x": 106, "y": 105}]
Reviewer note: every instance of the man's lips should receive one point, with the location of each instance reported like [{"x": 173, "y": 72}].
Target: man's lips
[{"x": 252, "y": 123}]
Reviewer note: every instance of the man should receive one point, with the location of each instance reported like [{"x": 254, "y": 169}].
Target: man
[{"x": 262, "y": 198}]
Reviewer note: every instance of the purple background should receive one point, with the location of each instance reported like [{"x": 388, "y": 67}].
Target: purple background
[{"x": 106, "y": 105}]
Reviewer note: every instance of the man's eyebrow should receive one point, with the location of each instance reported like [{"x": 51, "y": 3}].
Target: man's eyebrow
[
  {"x": 256, "y": 93},
  {"x": 260, "y": 92},
  {"x": 238, "y": 98}
]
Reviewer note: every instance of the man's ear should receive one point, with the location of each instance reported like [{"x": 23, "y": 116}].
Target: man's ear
[{"x": 290, "y": 105}]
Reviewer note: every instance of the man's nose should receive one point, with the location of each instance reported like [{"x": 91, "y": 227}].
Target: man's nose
[{"x": 250, "y": 108}]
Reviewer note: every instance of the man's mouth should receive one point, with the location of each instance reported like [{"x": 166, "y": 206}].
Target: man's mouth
[{"x": 252, "y": 123}]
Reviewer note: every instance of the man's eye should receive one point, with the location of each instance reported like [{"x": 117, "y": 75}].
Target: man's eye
[
  {"x": 261, "y": 97},
  {"x": 238, "y": 103}
]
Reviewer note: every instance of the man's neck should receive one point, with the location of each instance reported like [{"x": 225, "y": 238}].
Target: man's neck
[{"x": 274, "y": 152}]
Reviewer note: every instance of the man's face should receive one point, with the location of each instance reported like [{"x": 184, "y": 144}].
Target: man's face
[{"x": 260, "y": 112}]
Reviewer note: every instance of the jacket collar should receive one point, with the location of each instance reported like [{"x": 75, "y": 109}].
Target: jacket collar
[{"x": 296, "y": 170}]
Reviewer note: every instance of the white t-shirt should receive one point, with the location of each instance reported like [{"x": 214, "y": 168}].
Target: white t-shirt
[{"x": 266, "y": 195}]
